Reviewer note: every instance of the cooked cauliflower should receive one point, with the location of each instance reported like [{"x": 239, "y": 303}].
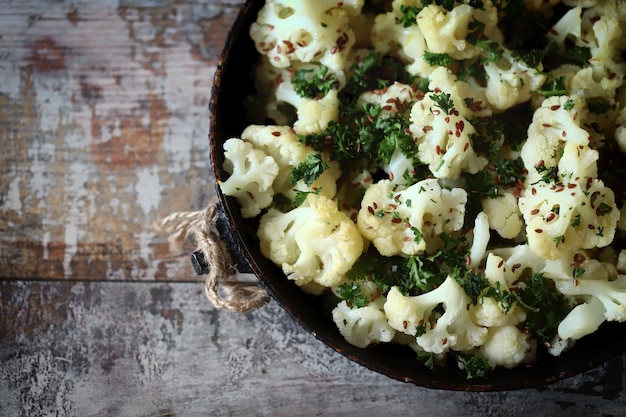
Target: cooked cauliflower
[
  {"x": 252, "y": 173},
  {"x": 408, "y": 221},
  {"x": 363, "y": 326},
  {"x": 564, "y": 205},
  {"x": 435, "y": 333},
  {"x": 441, "y": 123},
  {"x": 391, "y": 36},
  {"x": 582, "y": 277},
  {"x": 560, "y": 219},
  {"x": 511, "y": 81},
  {"x": 313, "y": 242},
  {"x": 504, "y": 214},
  {"x": 313, "y": 114},
  {"x": 305, "y": 31},
  {"x": 282, "y": 144},
  {"x": 556, "y": 126},
  {"x": 446, "y": 31},
  {"x": 380, "y": 231},
  {"x": 508, "y": 346},
  {"x": 488, "y": 311}
]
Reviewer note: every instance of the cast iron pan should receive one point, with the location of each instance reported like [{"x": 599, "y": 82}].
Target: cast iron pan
[{"x": 232, "y": 83}]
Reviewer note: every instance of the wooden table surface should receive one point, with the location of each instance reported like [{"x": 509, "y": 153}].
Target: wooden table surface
[{"x": 104, "y": 123}]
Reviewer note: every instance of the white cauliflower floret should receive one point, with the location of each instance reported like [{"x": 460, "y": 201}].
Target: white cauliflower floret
[
  {"x": 611, "y": 294},
  {"x": 560, "y": 219},
  {"x": 488, "y": 311},
  {"x": 390, "y": 36},
  {"x": 508, "y": 346},
  {"x": 314, "y": 242},
  {"x": 408, "y": 220},
  {"x": 480, "y": 240},
  {"x": 519, "y": 260},
  {"x": 363, "y": 326},
  {"x": 313, "y": 114},
  {"x": 584, "y": 319},
  {"x": 441, "y": 124},
  {"x": 397, "y": 97},
  {"x": 504, "y": 214},
  {"x": 582, "y": 277},
  {"x": 454, "y": 329},
  {"x": 511, "y": 81},
  {"x": 569, "y": 25},
  {"x": 305, "y": 31},
  {"x": 282, "y": 144},
  {"x": 564, "y": 205},
  {"x": 556, "y": 126},
  {"x": 446, "y": 31},
  {"x": 252, "y": 173},
  {"x": 605, "y": 37}
]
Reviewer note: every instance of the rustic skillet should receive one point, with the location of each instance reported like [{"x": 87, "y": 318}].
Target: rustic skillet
[{"x": 232, "y": 83}]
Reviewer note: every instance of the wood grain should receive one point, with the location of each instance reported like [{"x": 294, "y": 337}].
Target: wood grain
[
  {"x": 105, "y": 124},
  {"x": 150, "y": 349}
]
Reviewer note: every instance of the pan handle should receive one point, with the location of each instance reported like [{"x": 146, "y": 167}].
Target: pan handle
[{"x": 200, "y": 263}]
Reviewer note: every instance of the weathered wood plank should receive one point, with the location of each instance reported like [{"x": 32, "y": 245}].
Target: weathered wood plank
[
  {"x": 104, "y": 124},
  {"x": 139, "y": 349}
]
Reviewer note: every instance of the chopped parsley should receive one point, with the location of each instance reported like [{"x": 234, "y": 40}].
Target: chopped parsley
[
  {"x": 443, "y": 101},
  {"x": 309, "y": 170},
  {"x": 409, "y": 15},
  {"x": 434, "y": 59},
  {"x": 311, "y": 83},
  {"x": 545, "y": 307},
  {"x": 474, "y": 365}
]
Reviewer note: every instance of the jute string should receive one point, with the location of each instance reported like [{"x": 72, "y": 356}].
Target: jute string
[{"x": 221, "y": 286}]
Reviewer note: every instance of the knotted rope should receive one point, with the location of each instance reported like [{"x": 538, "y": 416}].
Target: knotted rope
[{"x": 221, "y": 286}]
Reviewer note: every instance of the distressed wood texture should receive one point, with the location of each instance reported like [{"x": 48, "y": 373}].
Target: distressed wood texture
[
  {"x": 104, "y": 110},
  {"x": 157, "y": 349},
  {"x": 104, "y": 115}
]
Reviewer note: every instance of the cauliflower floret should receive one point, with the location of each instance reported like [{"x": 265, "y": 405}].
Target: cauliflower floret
[
  {"x": 252, "y": 173},
  {"x": 305, "y": 31},
  {"x": 560, "y": 219},
  {"x": 504, "y": 214},
  {"x": 508, "y": 346},
  {"x": 441, "y": 124},
  {"x": 282, "y": 144},
  {"x": 564, "y": 205},
  {"x": 520, "y": 259},
  {"x": 511, "y": 81},
  {"x": 584, "y": 319},
  {"x": 480, "y": 240},
  {"x": 612, "y": 294},
  {"x": 408, "y": 220},
  {"x": 604, "y": 35},
  {"x": 579, "y": 276},
  {"x": 314, "y": 242},
  {"x": 396, "y": 98},
  {"x": 313, "y": 115},
  {"x": 446, "y": 31},
  {"x": 556, "y": 126},
  {"x": 391, "y": 36},
  {"x": 569, "y": 25},
  {"x": 454, "y": 329},
  {"x": 488, "y": 311},
  {"x": 363, "y": 326}
]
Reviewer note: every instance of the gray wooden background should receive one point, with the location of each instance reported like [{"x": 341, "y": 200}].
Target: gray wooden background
[{"x": 103, "y": 130}]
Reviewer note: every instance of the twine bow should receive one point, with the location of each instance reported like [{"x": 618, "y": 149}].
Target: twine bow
[{"x": 221, "y": 286}]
